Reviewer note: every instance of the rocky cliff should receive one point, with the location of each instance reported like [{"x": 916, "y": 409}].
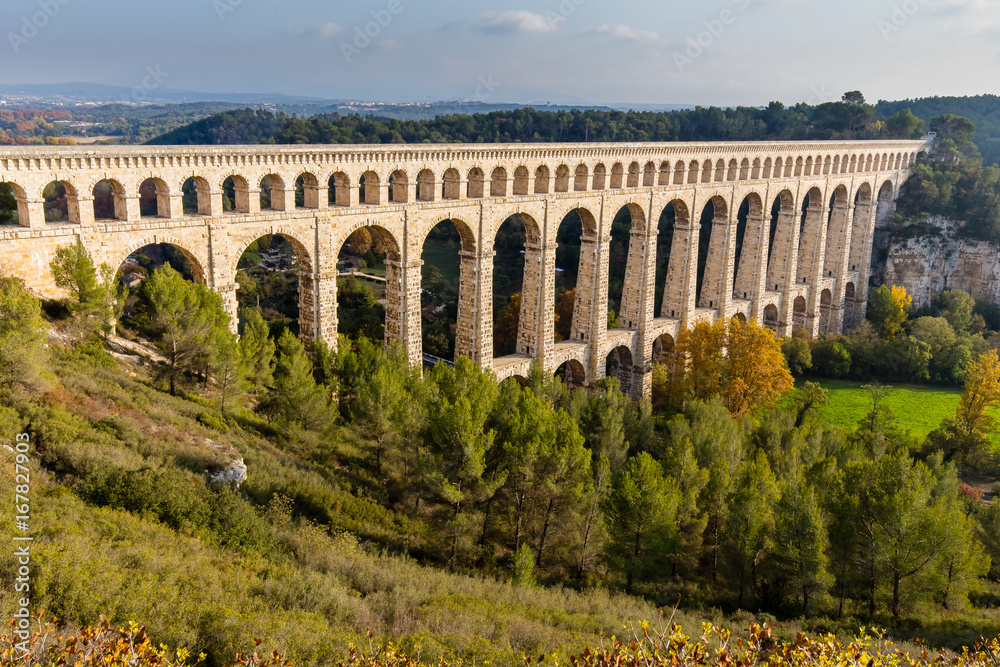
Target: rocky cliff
[{"x": 928, "y": 265}]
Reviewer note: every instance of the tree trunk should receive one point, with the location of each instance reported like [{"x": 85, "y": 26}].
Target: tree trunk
[{"x": 545, "y": 532}]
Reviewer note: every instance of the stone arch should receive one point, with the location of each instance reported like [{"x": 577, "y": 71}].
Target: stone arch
[
  {"x": 751, "y": 246},
  {"x": 827, "y": 165},
  {"x": 304, "y": 269},
  {"x": 713, "y": 250},
  {"x": 562, "y": 178},
  {"x": 808, "y": 171},
  {"x": 618, "y": 365},
  {"x": 272, "y": 193},
  {"x": 521, "y": 178},
  {"x": 197, "y": 263},
  {"x": 542, "y": 178},
  {"x": 498, "y": 182},
  {"x": 634, "y": 172},
  {"x": 630, "y": 238},
  {"x": 663, "y": 348},
  {"x": 451, "y": 184},
  {"x": 523, "y": 247},
  {"x": 617, "y": 175},
  {"x": 745, "y": 170},
  {"x": 649, "y": 175},
  {"x": 339, "y": 192},
  {"x": 771, "y": 320},
  {"x": 600, "y": 176},
  {"x": 800, "y": 166},
  {"x": 61, "y": 203},
  {"x": 664, "y": 176},
  {"x": 799, "y": 313},
  {"x": 850, "y": 310},
  {"x": 693, "y": 171},
  {"x": 306, "y": 191},
  {"x": 733, "y": 170},
  {"x": 477, "y": 184},
  {"x": 783, "y": 239},
  {"x": 837, "y": 230},
  {"x": 755, "y": 170},
  {"x": 811, "y": 230},
  {"x": 706, "y": 171},
  {"x": 449, "y": 308},
  {"x": 196, "y": 196},
  {"x": 370, "y": 189},
  {"x": 577, "y": 274},
  {"x": 720, "y": 171},
  {"x": 835, "y": 168},
  {"x": 394, "y": 316},
  {"x": 581, "y": 177},
  {"x": 676, "y": 293},
  {"x": 235, "y": 194},
  {"x": 154, "y": 198},
  {"x": 21, "y": 216},
  {"x": 860, "y": 229},
  {"x": 679, "y": 172},
  {"x": 573, "y": 374},
  {"x": 109, "y": 200},
  {"x": 789, "y": 166},
  {"x": 426, "y": 186},
  {"x": 779, "y": 166},
  {"x": 399, "y": 187}
]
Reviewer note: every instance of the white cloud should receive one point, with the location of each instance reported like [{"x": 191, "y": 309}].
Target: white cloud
[
  {"x": 628, "y": 34},
  {"x": 514, "y": 22}
]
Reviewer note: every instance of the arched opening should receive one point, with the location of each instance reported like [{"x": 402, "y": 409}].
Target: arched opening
[
  {"x": 619, "y": 365},
  {"x": 109, "y": 201},
  {"x": 439, "y": 299},
  {"x": 749, "y": 215},
  {"x": 732, "y": 173},
  {"x": 665, "y": 356},
  {"x": 580, "y": 178},
  {"x": 514, "y": 319},
  {"x": 745, "y": 169},
  {"x": 542, "y": 180},
  {"x": 369, "y": 285},
  {"x": 13, "y": 205},
  {"x": 633, "y": 175},
  {"x": 575, "y": 276},
  {"x": 339, "y": 193},
  {"x": 706, "y": 171},
  {"x": 154, "y": 199},
  {"x": 60, "y": 202},
  {"x": 617, "y": 175},
  {"x": 850, "y": 311},
  {"x": 712, "y": 251},
  {"x": 836, "y": 233},
  {"x": 618, "y": 260},
  {"x": 885, "y": 208},
  {"x": 825, "y": 310},
  {"x": 766, "y": 173},
  {"x": 425, "y": 185},
  {"x": 141, "y": 262},
  {"x": 272, "y": 193},
  {"x": 196, "y": 196},
  {"x": 649, "y": 175},
  {"x": 306, "y": 191},
  {"x": 370, "y": 189},
  {"x": 521, "y": 177},
  {"x": 799, "y": 313},
  {"x": 270, "y": 277},
  {"x": 235, "y": 195},
  {"x": 451, "y": 184},
  {"x": 498, "y": 182},
  {"x": 679, "y": 172},
  {"x": 664, "y": 173},
  {"x": 676, "y": 292},
  {"x": 573, "y": 374},
  {"x": 811, "y": 229},
  {"x": 477, "y": 183},
  {"x": 720, "y": 171},
  {"x": 562, "y": 178},
  {"x": 693, "y": 172},
  {"x": 600, "y": 177},
  {"x": 399, "y": 187},
  {"x": 781, "y": 241},
  {"x": 771, "y": 317},
  {"x": 664, "y": 244},
  {"x": 740, "y": 317}
]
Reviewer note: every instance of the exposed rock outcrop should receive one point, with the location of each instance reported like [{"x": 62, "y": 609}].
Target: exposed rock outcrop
[{"x": 928, "y": 265}]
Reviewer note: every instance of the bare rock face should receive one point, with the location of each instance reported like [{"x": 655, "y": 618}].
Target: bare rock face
[
  {"x": 236, "y": 474},
  {"x": 929, "y": 265}
]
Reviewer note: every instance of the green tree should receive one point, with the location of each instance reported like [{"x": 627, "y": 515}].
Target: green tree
[
  {"x": 230, "y": 367},
  {"x": 957, "y": 307},
  {"x": 21, "y": 335},
  {"x": 73, "y": 270},
  {"x": 524, "y": 567},
  {"x": 295, "y": 397},
  {"x": 641, "y": 511},
  {"x": 798, "y": 355},
  {"x": 258, "y": 349},
  {"x": 374, "y": 411},
  {"x": 750, "y": 522},
  {"x": 888, "y": 309},
  {"x": 603, "y": 423},
  {"x": 800, "y": 542}
]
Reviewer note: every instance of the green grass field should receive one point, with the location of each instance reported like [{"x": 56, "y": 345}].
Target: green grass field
[{"x": 918, "y": 409}]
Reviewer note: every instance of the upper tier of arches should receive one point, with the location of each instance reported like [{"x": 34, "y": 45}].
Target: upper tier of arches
[{"x": 99, "y": 188}]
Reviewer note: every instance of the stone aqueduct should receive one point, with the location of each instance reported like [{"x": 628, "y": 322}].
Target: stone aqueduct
[{"x": 812, "y": 274}]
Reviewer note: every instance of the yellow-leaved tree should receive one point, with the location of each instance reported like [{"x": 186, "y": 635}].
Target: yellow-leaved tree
[
  {"x": 982, "y": 391},
  {"x": 890, "y": 306},
  {"x": 739, "y": 361}
]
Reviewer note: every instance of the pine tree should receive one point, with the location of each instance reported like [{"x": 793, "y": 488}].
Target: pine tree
[
  {"x": 73, "y": 270},
  {"x": 750, "y": 522},
  {"x": 21, "y": 335},
  {"x": 258, "y": 349},
  {"x": 295, "y": 397},
  {"x": 800, "y": 542}
]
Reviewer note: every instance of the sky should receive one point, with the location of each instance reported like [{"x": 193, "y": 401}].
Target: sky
[{"x": 713, "y": 52}]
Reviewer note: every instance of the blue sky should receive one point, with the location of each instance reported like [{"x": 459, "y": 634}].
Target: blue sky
[{"x": 561, "y": 51}]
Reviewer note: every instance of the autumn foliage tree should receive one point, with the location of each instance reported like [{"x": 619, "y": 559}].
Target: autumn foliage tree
[
  {"x": 741, "y": 362},
  {"x": 966, "y": 436}
]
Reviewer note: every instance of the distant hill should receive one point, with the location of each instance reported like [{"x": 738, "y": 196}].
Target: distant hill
[{"x": 983, "y": 110}]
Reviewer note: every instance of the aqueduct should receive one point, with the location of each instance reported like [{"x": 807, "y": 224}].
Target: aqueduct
[{"x": 808, "y": 210}]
